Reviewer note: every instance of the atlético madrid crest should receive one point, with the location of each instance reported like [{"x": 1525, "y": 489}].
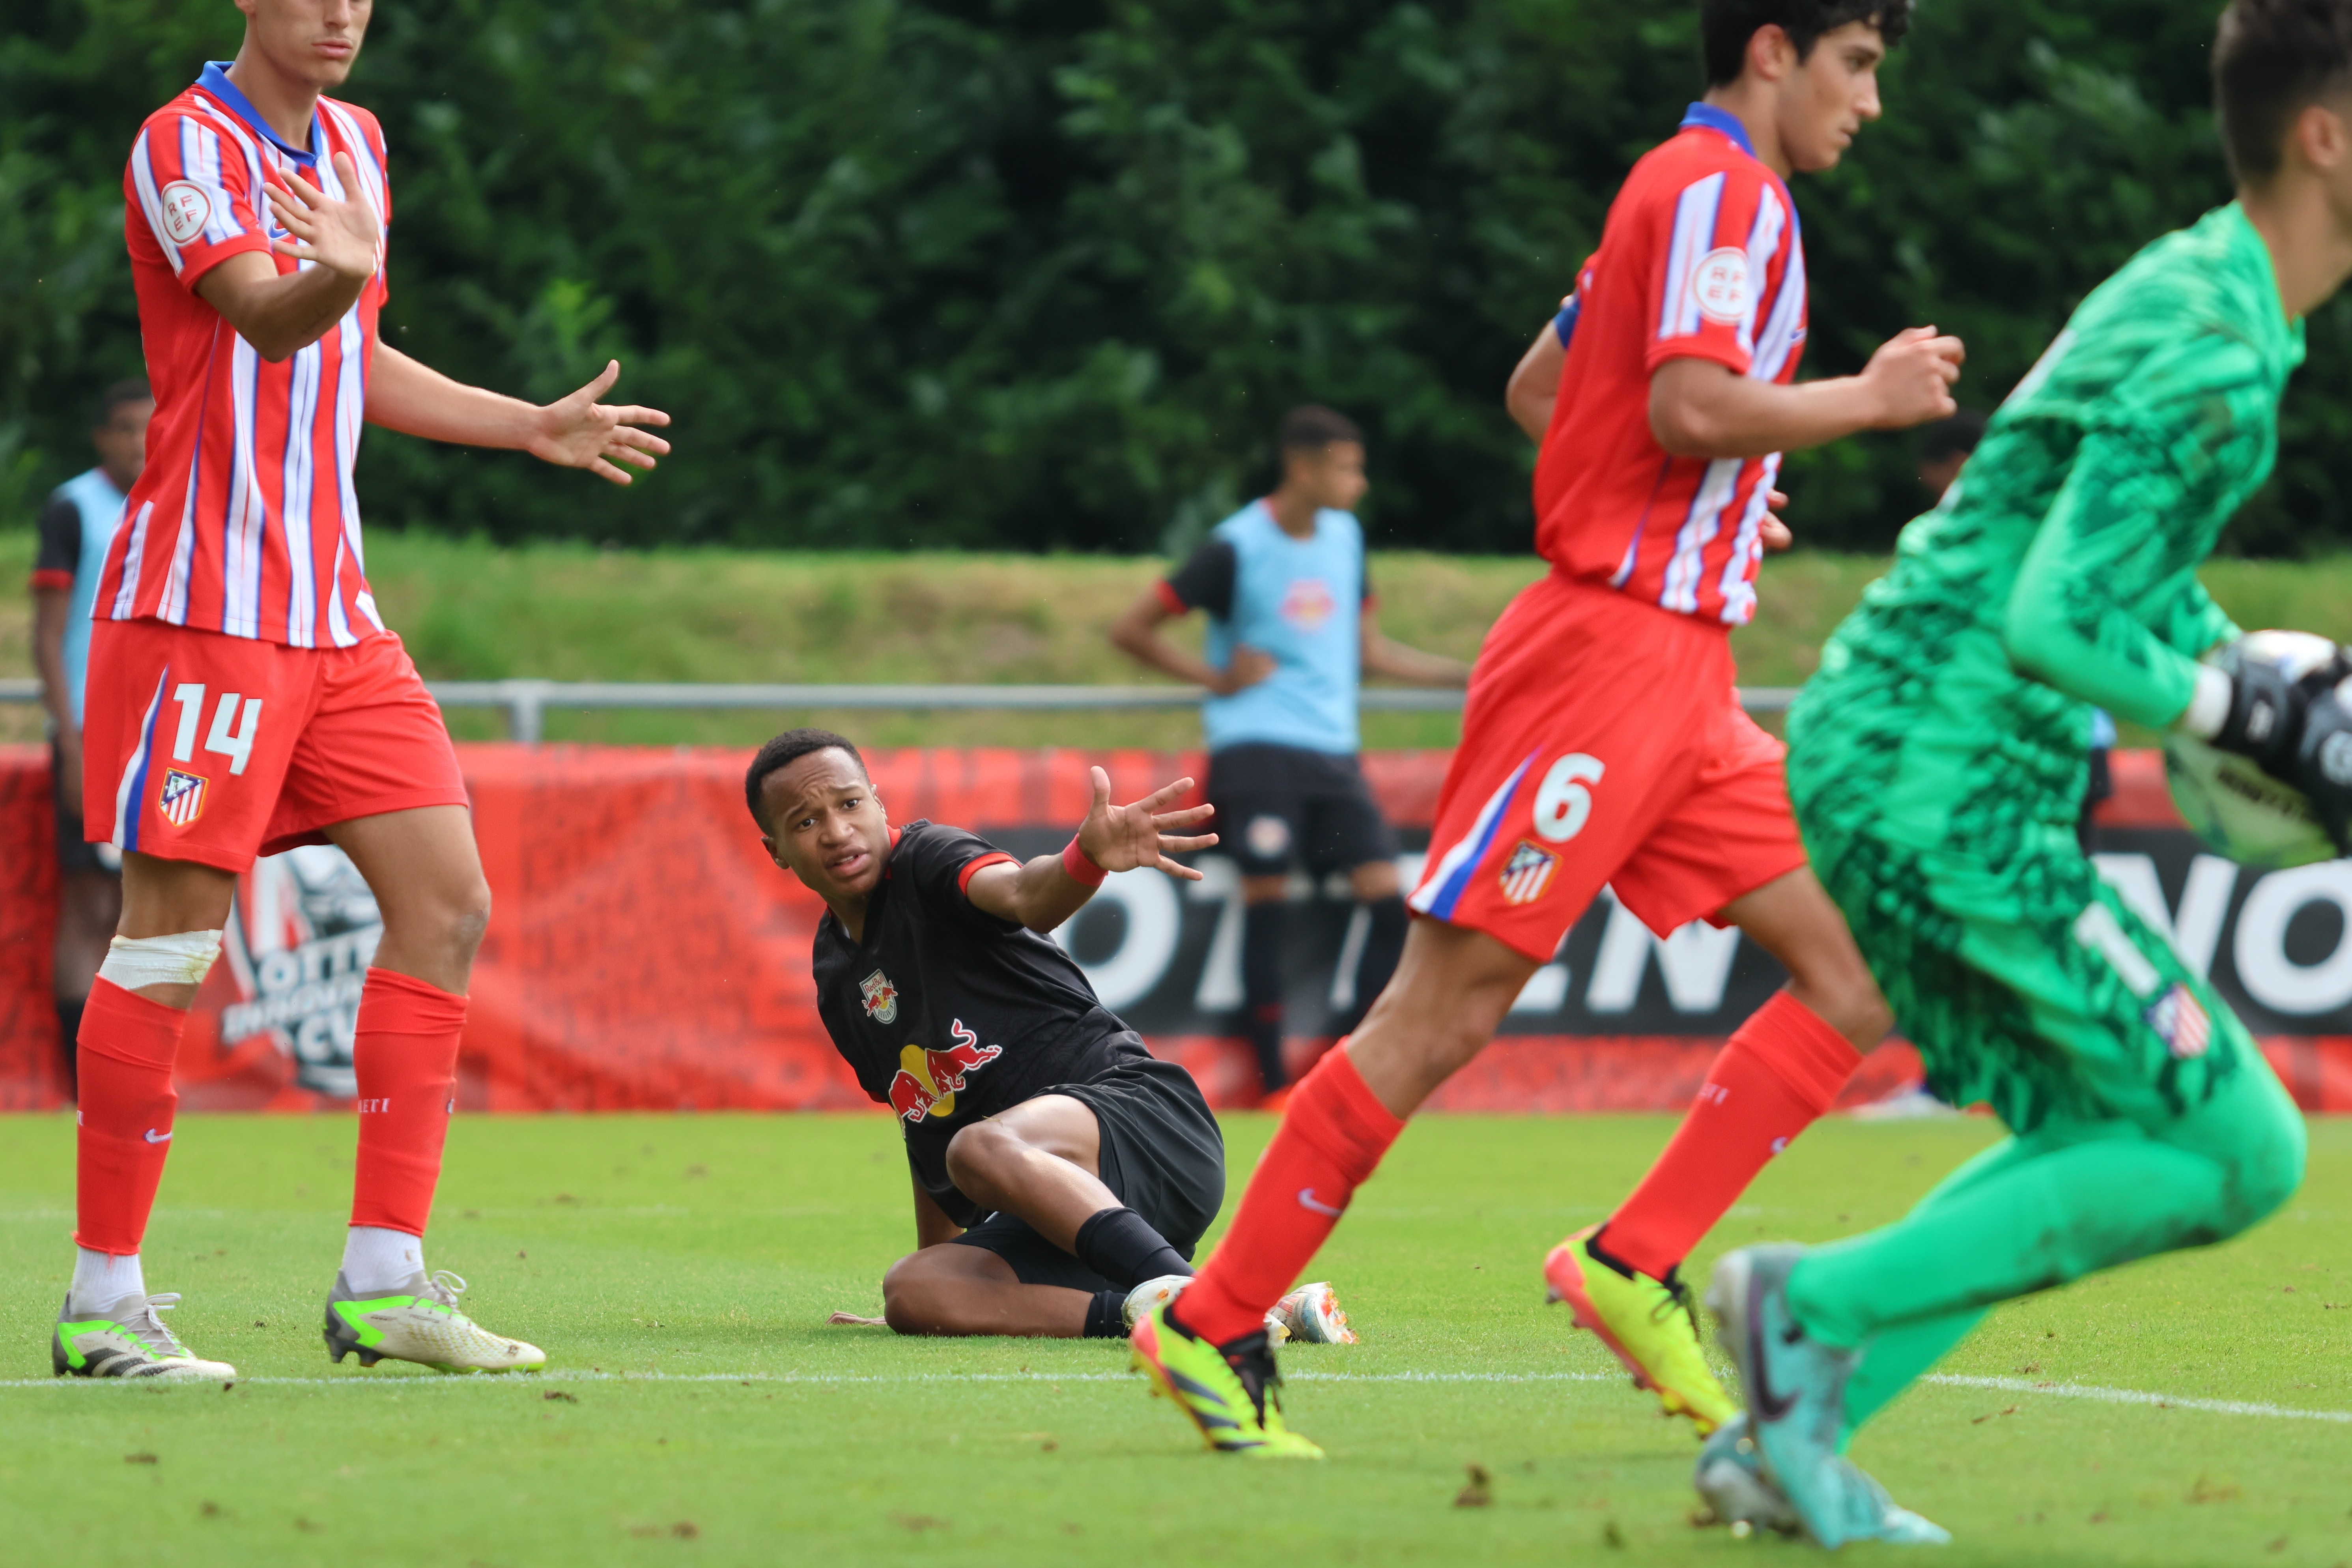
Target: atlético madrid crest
[
  {"x": 881, "y": 997},
  {"x": 182, "y": 799},
  {"x": 1527, "y": 875}
]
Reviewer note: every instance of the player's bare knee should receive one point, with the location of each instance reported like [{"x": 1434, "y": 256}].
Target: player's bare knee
[{"x": 977, "y": 1154}]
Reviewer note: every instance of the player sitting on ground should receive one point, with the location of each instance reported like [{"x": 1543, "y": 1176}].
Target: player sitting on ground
[
  {"x": 1938, "y": 759},
  {"x": 1061, "y": 1171},
  {"x": 244, "y": 696},
  {"x": 1603, "y": 742}
]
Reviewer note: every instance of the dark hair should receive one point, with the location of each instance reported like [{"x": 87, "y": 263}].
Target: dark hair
[
  {"x": 784, "y": 751},
  {"x": 1312, "y": 428},
  {"x": 1726, "y": 26},
  {"x": 1953, "y": 436},
  {"x": 134, "y": 390},
  {"x": 2272, "y": 59}
]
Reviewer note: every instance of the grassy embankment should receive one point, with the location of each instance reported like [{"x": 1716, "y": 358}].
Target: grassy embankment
[{"x": 571, "y": 613}]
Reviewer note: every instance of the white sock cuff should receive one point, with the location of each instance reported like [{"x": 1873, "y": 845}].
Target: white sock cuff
[{"x": 183, "y": 959}]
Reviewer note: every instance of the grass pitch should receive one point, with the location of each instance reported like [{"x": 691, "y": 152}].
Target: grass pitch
[{"x": 698, "y": 1409}]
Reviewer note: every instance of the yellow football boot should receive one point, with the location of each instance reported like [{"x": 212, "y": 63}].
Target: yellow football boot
[{"x": 1649, "y": 1325}]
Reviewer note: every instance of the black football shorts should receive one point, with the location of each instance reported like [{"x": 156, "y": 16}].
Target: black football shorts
[{"x": 1280, "y": 805}]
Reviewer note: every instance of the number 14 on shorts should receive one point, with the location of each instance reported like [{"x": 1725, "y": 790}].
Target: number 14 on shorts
[{"x": 235, "y": 717}]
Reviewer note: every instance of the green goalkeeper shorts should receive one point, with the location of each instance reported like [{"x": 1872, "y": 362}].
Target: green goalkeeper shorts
[{"x": 2026, "y": 985}]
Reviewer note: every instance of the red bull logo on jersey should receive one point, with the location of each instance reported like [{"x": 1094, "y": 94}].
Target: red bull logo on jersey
[
  {"x": 926, "y": 1081},
  {"x": 182, "y": 799},
  {"x": 1527, "y": 875},
  {"x": 1308, "y": 602},
  {"x": 881, "y": 997}
]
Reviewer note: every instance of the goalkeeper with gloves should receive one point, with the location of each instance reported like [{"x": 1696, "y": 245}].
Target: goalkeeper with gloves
[{"x": 1938, "y": 759}]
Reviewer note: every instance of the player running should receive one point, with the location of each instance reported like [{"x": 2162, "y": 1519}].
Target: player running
[
  {"x": 244, "y": 695},
  {"x": 1603, "y": 741},
  {"x": 1938, "y": 759},
  {"x": 1062, "y": 1174}
]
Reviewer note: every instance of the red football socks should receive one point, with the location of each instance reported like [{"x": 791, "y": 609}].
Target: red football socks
[
  {"x": 406, "y": 1056},
  {"x": 127, "y": 1045},
  {"x": 1775, "y": 1077},
  {"x": 1330, "y": 1140}
]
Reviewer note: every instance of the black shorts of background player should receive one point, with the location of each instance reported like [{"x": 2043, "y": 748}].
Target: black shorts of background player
[
  {"x": 1293, "y": 627},
  {"x": 1058, "y": 1165}
]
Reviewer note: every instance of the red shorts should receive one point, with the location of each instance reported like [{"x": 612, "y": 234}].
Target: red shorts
[
  {"x": 1604, "y": 744},
  {"x": 198, "y": 746}
]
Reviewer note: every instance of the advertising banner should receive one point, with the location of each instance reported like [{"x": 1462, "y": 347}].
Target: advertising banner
[{"x": 643, "y": 954}]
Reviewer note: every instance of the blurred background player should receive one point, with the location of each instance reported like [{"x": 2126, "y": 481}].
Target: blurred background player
[
  {"x": 75, "y": 529},
  {"x": 1062, "y": 1174},
  {"x": 1937, "y": 764},
  {"x": 1292, "y": 631},
  {"x": 244, "y": 697},
  {"x": 1604, "y": 744}
]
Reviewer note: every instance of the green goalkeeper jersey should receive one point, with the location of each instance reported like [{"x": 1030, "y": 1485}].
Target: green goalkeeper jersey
[{"x": 1952, "y": 709}]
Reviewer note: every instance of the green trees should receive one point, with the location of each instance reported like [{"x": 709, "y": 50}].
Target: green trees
[{"x": 1039, "y": 273}]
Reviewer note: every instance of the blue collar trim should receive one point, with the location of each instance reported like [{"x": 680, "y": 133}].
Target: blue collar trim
[
  {"x": 1723, "y": 120},
  {"x": 214, "y": 80}
]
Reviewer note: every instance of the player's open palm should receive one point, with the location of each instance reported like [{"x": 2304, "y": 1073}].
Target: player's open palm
[
  {"x": 339, "y": 233},
  {"x": 581, "y": 433},
  {"x": 1123, "y": 837},
  {"x": 1912, "y": 374}
]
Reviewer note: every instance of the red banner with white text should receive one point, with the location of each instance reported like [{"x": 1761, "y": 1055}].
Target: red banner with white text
[{"x": 643, "y": 954}]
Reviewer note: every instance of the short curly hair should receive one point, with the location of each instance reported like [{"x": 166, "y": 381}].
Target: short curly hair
[{"x": 784, "y": 751}]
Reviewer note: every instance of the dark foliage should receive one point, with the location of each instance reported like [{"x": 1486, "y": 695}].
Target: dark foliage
[{"x": 1046, "y": 273}]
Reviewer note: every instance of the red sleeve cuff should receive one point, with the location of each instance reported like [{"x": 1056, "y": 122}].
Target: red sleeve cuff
[
  {"x": 196, "y": 262},
  {"x": 973, "y": 869},
  {"x": 52, "y": 577},
  {"x": 1172, "y": 599},
  {"x": 1720, "y": 350}
]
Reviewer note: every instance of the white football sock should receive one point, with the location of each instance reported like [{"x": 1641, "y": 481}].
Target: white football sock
[
  {"x": 102, "y": 1279},
  {"x": 375, "y": 1258}
]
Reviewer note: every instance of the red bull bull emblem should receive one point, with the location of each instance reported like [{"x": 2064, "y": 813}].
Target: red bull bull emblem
[
  {"x": 881, "y": 997},
  {"x": 927, "y": 1080}
]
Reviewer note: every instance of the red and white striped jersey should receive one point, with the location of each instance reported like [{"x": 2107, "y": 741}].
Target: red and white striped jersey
[
  {"x": 1701, "y": 260},
  {"x": 243, "y": 520}
]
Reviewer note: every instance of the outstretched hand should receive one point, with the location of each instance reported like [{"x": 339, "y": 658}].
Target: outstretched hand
[
  {"x": 338, "y": 234},
  {"x": 1123, "y": 837},
  {"x": 581, "y": 433}
]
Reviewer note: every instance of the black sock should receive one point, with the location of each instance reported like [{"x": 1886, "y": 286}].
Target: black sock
[
  {"x": 1106, "y": 1316},
  {"x": 1120, "y": 1246},
  {"x": 1264, "y": 928},
  {"x": 1384, "y": 945},
  {"x": 69, "y": 1044}
]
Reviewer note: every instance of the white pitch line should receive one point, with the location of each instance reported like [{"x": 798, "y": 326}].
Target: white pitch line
[
  {"x": 1942, "y": 1380},
  {"x": 2137, "y": 1396}
]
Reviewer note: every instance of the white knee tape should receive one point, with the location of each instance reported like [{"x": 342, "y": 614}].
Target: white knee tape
[{"x": 183, "y": 959}]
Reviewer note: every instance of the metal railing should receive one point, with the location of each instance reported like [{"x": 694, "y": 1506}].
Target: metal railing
[{"x": 526, "y": 702}]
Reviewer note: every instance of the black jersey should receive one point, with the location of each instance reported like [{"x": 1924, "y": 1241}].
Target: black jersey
[{"x": 948, "y": 1015}]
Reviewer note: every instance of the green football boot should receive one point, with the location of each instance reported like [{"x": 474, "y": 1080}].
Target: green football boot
[
  {"x": 1229, "y": 1393},
  {"x": 1730, "y": 1477},
  {"x": 128, "y": 1339},
  {"x": 1796, "y": 1398},
  {"x": 419, "y": 1321}
]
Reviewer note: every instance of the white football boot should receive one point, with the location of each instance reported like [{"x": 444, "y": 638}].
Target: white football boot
[
  {"x": 419, "y": 1320},
  {"x": 1309, "y": 1315},
  {"x": 128, "y": 1339}
]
